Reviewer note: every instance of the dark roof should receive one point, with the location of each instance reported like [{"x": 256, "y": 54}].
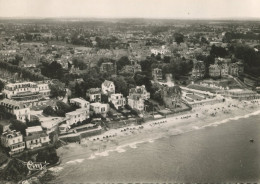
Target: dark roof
[{"x": 94, "y": 90}]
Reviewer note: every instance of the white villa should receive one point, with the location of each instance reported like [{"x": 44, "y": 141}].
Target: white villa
[
  {"x": 21, "y": 111},
  {"x": 108, "y": 87},
  {"x": 117, "y": 100},
  {"x": 13, "y": 140}
]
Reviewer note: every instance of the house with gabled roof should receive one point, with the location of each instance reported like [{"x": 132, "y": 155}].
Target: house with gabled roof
[
  {"x": 94, "y": 94},
  {"x": 108, "y": 87}
]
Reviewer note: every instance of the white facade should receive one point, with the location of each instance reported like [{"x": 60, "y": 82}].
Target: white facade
[
  {"x": 36, "y": 140},
  {"x": 80, "y": 102},
  {"x": 33, "y": 130},
  {"x": 163, "y": 50},
  {"x": 141, "y": 91},
  {"x": 99, "y": 108},
  {"x": 13, "y": 140},
  {"x": 76, "y": 116},
  {"x": 44, "y": 89},
  {"x": 13, "y": 89},
  {"x": 117, "y": 99},
  {"x": 94, "y": 94},
  {"x": 108, "y": 87},
  {"x": 22, "y": 112},
  {"x": 51, "y": 123},
  {"x": 136, "y": 103}
]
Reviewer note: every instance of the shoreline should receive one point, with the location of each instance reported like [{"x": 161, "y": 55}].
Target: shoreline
[{"x": 155, "y": 129}]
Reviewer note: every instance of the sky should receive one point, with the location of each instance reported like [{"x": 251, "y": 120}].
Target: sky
[{"x": 187, "y": 9}]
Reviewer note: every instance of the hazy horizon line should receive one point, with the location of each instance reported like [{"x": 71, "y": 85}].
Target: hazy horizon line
[{"x": 158, "y": 18}]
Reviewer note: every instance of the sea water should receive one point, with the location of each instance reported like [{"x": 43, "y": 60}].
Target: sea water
[{"x": 218, "y": 153}]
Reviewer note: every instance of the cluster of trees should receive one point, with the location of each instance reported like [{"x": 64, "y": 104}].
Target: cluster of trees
[
  {"x": 178, "y": 68},
  {"x": 4, "y": 114},
  {"x": 25, "y": 73},
  {"x": 79, "y": 63},
  {"x": 229, "y": 36},
  {"x": 94, "y": 79},
  {"x": 154, "y": 41},
  {"x": 77, "y": 39},
  {"x": 250, "y": 57},
  {"x": 106, "y": 43},
  {"x": 57, "y": 89},
  {"x": 16, "y": 60},
  {"x": 178, "y": 37},
  {"x": 52, "y": 70},
  {"x": 218, "y": 52},
  {"x": 60, "y": 110},
  {"x": 123, "y": 61},
  {"x": 21, "y": 126},
  {"x": 18, "y": 126},
  {"x": 175, "y": 66},
  {"x": 208, "y": 60}
]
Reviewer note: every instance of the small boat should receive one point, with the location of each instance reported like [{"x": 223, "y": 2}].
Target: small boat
[{"x": 251, "y": 140}]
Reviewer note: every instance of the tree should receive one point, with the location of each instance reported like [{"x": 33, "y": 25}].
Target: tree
[
  {"x": 4, "y": 114},
  {"x": 2, "y": 85},
  {"x": 218, "y": 51},
  {"x": 204, "y": 40},
  {"x": 65, "y": 107},
  {"x": 49, "y": 111},
  {"x": 53, "y": 70},
  {"x": 220, "y": 64},
  {"x": 146, "y": 64},
  {"x": 166, "y": 59},
  {"x": 179, "y": 38},
  {"x": 17, "y": 60},
  {"x": 199, "y": 66},
  {"x": 79, "y": 90},
  {"x": 121, "y": 85},
  {"x": 141, "y": 78},
  {"x": 79, "y": 63},
  {"x": 123, "y": 61},
  {"x": 18, "y": 126},
  {"x": 57, "y": 89},
  {"x": 33, "y": 123}
]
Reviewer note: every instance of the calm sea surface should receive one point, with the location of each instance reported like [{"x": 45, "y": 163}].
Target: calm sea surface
[{"x": 214, "y": 154}]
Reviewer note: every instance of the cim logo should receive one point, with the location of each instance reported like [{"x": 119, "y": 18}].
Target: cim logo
[{"x": 36, "y": 166}]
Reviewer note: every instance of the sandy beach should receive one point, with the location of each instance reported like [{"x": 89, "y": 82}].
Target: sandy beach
[{"x": 115, "y": 140}]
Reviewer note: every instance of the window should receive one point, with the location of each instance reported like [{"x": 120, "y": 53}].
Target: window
[{"x": 13, "y": 141}]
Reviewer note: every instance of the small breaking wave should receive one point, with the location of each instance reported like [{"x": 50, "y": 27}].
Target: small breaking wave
[
  {"x": 232, "y": 119},
  {"x": 120, "y": 150},
  {"x": 55, "y": 169},
  {"x": 92, "y": 157},
  {"x": 133, "y": 146},
  {"x": 75, "y": 161},
  {"x": 196, "y": 127},
  {"x": 151, "y": 140},
  {"x": 103, "y": 154}
]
